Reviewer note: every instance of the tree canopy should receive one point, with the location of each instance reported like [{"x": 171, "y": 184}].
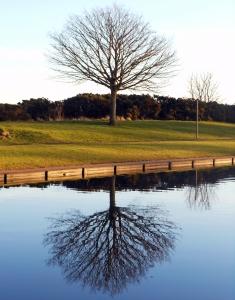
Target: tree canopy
[{"x": 114, "y": 48}]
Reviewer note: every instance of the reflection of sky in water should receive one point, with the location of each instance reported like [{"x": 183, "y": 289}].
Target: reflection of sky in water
[{"x": 201, "y": 267}]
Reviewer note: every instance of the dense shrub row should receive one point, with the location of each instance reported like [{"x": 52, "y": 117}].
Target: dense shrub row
[{"x": 132, "y": 107}]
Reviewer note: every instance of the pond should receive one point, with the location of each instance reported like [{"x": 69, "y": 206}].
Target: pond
[{"x": 145, "y": 236}]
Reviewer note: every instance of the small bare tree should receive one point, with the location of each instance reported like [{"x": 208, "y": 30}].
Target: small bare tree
[
  {"x": 202, "y": 193},
  {"x": 114, "y": 48},
  {"x": 202, "y": 87}
]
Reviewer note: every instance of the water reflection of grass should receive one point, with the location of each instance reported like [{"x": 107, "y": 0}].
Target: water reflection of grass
[{"x": 38, "y": 144}]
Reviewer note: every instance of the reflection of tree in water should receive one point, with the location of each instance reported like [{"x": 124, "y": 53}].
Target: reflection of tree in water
[
  {"x": 201, "y": 193},
  {"x": 200, "y": 186},
  {"x": 111, "y": 248}
]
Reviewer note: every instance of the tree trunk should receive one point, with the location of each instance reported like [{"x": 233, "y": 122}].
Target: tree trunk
[
  {"x": 113, "y": 98},
  {"x": 113, "y": 212},
  {"x": 112, "y": 194}
]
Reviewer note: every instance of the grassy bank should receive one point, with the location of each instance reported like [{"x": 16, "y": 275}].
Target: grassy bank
[{"x": 41, "y": 144}]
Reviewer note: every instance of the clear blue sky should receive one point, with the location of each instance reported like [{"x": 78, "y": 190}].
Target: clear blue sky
[{"x": 202, "y": 32}]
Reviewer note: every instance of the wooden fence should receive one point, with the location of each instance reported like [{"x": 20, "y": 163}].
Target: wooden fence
[{"x": 15, "y": 177}]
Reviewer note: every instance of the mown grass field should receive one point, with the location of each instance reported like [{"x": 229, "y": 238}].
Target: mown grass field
[{"x": 43, "y": 144}]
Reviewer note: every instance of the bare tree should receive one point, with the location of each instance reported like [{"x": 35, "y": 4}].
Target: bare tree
[
  {"x": 111, "y": 248},
  {"x": 114, "y": 48},
  {"x": 202, "y": 87},
  {"x": 202, "y": 193}
]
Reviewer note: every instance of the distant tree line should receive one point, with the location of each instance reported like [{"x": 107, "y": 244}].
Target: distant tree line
[{"x": 129, "y": 107}]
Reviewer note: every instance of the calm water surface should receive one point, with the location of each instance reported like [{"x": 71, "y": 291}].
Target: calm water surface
[{"x": 156, "y": 236}]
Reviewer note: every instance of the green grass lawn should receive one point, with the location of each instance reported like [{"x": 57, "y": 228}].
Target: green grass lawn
[{"x": 43, "y": 144}]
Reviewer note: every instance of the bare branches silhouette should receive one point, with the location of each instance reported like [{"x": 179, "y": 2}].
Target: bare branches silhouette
[
  {"x": 113, "y": 48},
  {"x": 202, "y": 193},
  {"x": 203, "y": 87},
  {"x": 111, "y": 248}
]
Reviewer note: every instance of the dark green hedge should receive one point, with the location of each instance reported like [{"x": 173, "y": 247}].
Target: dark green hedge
[{"x": 132, "y": 107}]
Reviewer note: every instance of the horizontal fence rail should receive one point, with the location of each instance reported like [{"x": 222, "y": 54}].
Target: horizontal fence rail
[{"x": 17, "y": 177}]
